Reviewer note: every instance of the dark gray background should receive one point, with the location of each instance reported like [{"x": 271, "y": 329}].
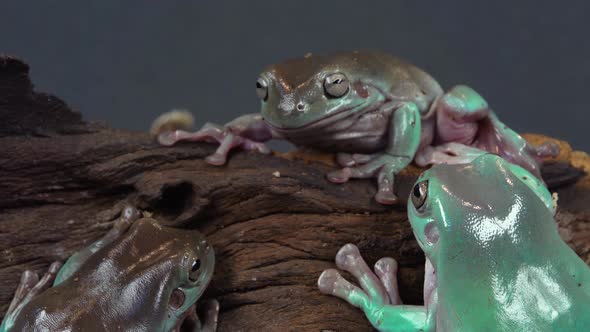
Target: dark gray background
[{"x": 125, "y": 62}]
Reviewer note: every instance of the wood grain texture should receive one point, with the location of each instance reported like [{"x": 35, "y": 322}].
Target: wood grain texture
[{"x": 63, "y": 181}]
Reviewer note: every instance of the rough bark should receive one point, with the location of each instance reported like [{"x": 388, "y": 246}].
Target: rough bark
[{"x": 62, "y": 181}]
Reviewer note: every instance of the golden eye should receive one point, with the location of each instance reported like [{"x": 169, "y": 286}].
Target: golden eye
[
  {"x": 336, "y": 85},
  {"x": 262, "y": 88},
  {"x": 419, "y": 194}
]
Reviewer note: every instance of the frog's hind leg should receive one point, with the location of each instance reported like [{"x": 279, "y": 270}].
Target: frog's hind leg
[
  {"x": 248, "y": 132},
  {"x": 29, "y": 287},
  {"x": 463, "y": 116}
]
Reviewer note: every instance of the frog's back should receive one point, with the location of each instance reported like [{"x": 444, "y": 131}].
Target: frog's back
[
  {"x": 534, "y": 298},
  {"x": 502, "y": 265},
  {"x": 391, "y": 74}
]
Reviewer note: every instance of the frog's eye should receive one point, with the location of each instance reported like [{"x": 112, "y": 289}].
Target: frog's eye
[
  {"x": 195, "y": 267},
  {"x": 262, "y": 88},
  {"x": 336, "y": 85},
  {"x": 419, "y": 194}
]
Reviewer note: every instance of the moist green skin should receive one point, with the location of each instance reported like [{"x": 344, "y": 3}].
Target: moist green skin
[
  {"x": 497, "y": 262},
  {"x": 389, "y": 114},
  {"x": 129, "y": 280}
]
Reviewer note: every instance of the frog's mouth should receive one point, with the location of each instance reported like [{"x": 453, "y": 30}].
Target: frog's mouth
[{"x": 334, "y": 116}]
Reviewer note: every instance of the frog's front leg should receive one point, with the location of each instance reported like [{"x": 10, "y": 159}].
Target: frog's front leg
[
  {"x": 248, "y": 132},
  {"x": 211, "y": 313},
  {"x": 192, "y": 322},
  {"x": 379, "y": 297},
  {"x": 29, "y": 287},
  {"x": 129, "y": 214},
  {"x": 404, "y": 139}
]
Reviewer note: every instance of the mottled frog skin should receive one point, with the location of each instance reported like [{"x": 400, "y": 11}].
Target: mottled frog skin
[
  {"x": 376, "y": 111},
  {"x": 494, "y": 258},
  {"x": 141, "y": 276}
]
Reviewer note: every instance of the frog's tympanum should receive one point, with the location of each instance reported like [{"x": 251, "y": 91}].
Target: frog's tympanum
[
  {"x": 376, "y": 111},
  {"x": 140, "y": 277},
  {"x": 494, "y": 258}
]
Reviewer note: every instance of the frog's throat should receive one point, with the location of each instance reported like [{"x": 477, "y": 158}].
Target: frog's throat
[{"x": 430, "y": 282}]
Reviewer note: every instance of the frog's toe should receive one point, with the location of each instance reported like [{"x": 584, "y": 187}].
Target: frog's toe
[
  {"x": 45, "y": 282},
  {"x": 328, "y": 280},
  {"x": 332, "y": 283},
  {"x": 345, "y": 159},
  {"x": 351, "y": 160},
  {"x": 348, "y": 257},
  {"x": 350, "y": 260},
  {"x": 211, "y": 313},
  {"x": 340, "y": 176},
  {"x": 129, "y": 214},
  {"x": 386, "y": 270},
  {"x": 216, "y": 159},
  {"x": 250, "y": 145},
  {"x": 365, "y": 171},
  {"x": 385, "y": 192},
  {"x": 28, "y": 280},
  {"x": 386, "y": 197},
  {"x": 167, "y": 138}
]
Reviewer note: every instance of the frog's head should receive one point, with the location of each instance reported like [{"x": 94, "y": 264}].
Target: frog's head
[
  {"x": 306, "y": 91},
  {"x": 166, "y": 269},
  {"x": 475, "y": 206}
]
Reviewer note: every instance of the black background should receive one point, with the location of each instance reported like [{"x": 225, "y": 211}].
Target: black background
[{"x": 125, "y": 62}]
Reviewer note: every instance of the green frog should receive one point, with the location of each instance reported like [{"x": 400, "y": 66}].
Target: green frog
[
  {"x": 141, "y": 276},
  {"x": 494, "y": 258},
  {"x": 377, "y": 112}
]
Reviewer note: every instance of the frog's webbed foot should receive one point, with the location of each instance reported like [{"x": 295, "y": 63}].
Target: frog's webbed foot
[
  {"x": 30, "y": 286},
  {"x": 383, "y": 166},
  {"x": 377, "y": 289},
  {"x": 449, "y": 153},
  {"x": 248, "y": 132}
]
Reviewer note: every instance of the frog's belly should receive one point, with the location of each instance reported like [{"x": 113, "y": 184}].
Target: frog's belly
[{"x": 366, "y": 133}]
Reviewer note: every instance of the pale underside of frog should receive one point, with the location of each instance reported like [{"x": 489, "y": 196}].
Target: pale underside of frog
[
  {"x": 494, "y": 258},
  {"x": 141, "y": 276},
  {"x": 377, "y": 112}
]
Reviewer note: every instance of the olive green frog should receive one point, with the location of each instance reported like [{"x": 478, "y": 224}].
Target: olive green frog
[
  {"x": 378, "y": 112},
  {"x": 141, "y": 276}
]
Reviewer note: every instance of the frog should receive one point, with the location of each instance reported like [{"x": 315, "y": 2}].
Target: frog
[
  {"x": 377, "y": 112},
  {"x": 141, "y": 276},
  {"x": 494, "y": 258}
]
